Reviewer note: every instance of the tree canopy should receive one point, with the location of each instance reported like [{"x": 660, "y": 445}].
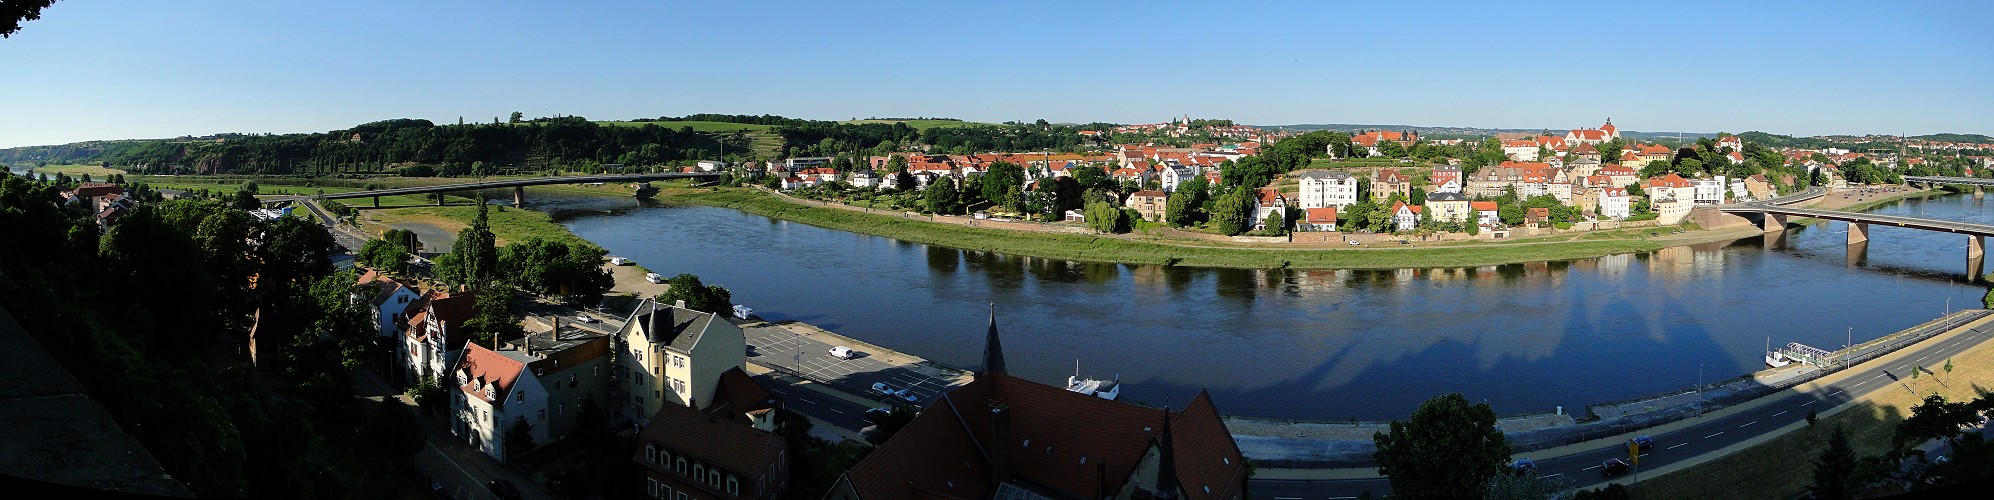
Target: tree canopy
[{"x": 1449, "y": 449}]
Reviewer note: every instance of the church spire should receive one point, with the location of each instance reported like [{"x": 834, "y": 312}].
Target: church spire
[
  {"x": 1167, "y": 485},
  {"x": 993, "y": 351}
]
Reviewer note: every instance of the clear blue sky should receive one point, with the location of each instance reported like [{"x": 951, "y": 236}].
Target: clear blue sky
[{"x": 119, "y": 69}]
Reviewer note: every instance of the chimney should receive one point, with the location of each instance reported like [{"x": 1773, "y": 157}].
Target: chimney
[
  {"x": 651, "y": 322},
  {"x": 1000, "y": 442},
  {"x": 679, "y": 304}
]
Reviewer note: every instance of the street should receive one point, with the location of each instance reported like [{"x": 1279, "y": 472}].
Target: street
[
  {"x": 779, "y": 347},
  {"x": 1688, "y": 443}
]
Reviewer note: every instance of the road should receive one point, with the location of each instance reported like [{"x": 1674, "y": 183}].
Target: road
[
  {"x": 1774, "y": 206},
  {"x": 1683, "y": 444},
  {"x": 829, "y": 409},
  {"x": 778, "y": 347}
]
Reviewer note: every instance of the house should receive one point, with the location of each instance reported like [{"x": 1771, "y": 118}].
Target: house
[
  {"x": 1759, "y": 187},
  {"x": 1369, "y": 140},
  {"x": 1672, "y": 210},
  {"x": 1323, "y": 188},
  {"x": 1582, "y": 168},
  {"x": 1523, "y": 150},
  {"x": 1150, "y": 203},
  {"x": 795, "y": 164},
  {"x": 572, "y": 362},
  {"x": 1614, "y": 203},
  {"x": 1731, "y": 141},
  {"x": 1449, "y": 207},
  {"x": 391, "y": 298},
  {"x": 865, "y": 179},
  {"x": 1708, "y": 191},
  {"x": 1318, "y": 219},
  {"x": 667, "y": 354},
  {"x": 1173, "y": 175},
  {"x": 1620, "y": 175},
  {"x": 1653, "y": 153},
  {"x": 1405, "y": 217},
  {"x": 1272, "y": 205},
  {"x": 491, "y": 396},
  {"x": 725, "y": 452},
  {"x": 1586, "y": 152},
  {"x": 435, "y": 336},
  {"x": 1130, "y": 174},
  {"x": 1604, "y": 133},
  {"x": 1487, "y": 213},
  {"x": 1005, "y": 437},
  {"x": 1584, "y": 197},
  {"x": 711, "y": 166},
  {"x": 1443, "y": 174},
  {"x": 1388, "y": 183},
  {"x": 1536, "y": 215},
  {"x": 792, "y": 182},
  {"x": 1670, "y": 186}
]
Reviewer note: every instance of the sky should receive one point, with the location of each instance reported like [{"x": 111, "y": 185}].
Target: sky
[{"x": 118, "y": 69}]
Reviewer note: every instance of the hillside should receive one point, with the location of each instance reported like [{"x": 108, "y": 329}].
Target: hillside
[
  {"x": 1955, "y": 137},
  {"x": 922, "y": 124},
  {"x": 1445, "y": 132}
]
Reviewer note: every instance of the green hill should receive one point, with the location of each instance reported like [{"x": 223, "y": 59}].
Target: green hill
[
  {"x": 696, "y": 125},
  {"x": 1955, "y": 137},
  {"x": 923, "y": 124}
]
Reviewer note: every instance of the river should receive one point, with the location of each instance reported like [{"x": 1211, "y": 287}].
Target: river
[{"x": 1321, "y": 344}]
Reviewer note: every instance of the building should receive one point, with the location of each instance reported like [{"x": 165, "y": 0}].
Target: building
[
  {"x": 493, "y": 395},
  {"x": 1614, "y": 203},
  {"x": 726, "y": 452},
  {"x": 1670, "y": 186},
  {"x": 1327, "y": 189},
  {"x": 1708, "y": 191},
  {"x": 1604, "y": 133},
  {"x": 1523, "y": 150},
  {"x": 572, "y": 362},
  {"x": 1449, "y": 207},
  {"x": 1405, "y": 217},
  {"x": 1487, "y": 213},
  {"x": 1620, "y": 175},
  {"x": 711, "y": 165},
  {"x": 1150, "y": 203},
  {"x": 435, "y": 336},
  {"x": 1536, "y": 215},
  {"x": 865, "y": 179},
  {"x": 667, "y": 354},
  {"x": 1271, "y": 205},
  {"x": 1390, "y": 182},
  {"x": 1759, "y": 187},
  {"x": 1174, "y": 175},
  {"x": 391, "y": 299},
  {"x": 1010, "y": 438},
  {"x": 1444, "y": 174},
  {"x": 1317, "y": 219}
]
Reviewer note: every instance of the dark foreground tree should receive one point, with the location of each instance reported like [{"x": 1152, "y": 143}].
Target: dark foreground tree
[
  {"x": 1449, "y": 449},
  {"x": 13, "y": 12},
  {"x": 1835, "y": 468}
]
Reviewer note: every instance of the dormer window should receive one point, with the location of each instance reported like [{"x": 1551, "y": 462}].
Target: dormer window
[
  {"x": 522, "y": 397},
  {"x": 491, "y": 391}
]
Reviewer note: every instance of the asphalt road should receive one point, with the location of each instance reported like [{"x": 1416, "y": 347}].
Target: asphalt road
[
  {"x": 1584, "y": 468},
  {"x": 832, "y": 410}
]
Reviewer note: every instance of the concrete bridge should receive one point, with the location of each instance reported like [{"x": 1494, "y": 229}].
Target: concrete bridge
[
  {"x": 1932, "y": 179},
  {"x": 518, "y": 185},
  {"x": 1774, "y": 214}
]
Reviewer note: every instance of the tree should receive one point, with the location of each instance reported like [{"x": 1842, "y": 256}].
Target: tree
[
  {"x": 1231, "y": 212},
  {"x": 515, "y": 117},
  {"x": 1104, "y": 217},
  {"x": 13, "y": 13},
  {"x": 518, "y": 439},
  {"x": 1473, "y": 223},
  {"x": 1609, "y": 151},
  {"x": 1001, "y": 181},
  {"x": 494, "y": 320},
  {"x": 1835, "y": 469},
  {"x": 1276, "y": 223},
  {"x": 474, "y": 258},
  {"x": 1449, "y": 449},
  {"x": 697, "y": 296},
  {"x": 384, "y": 256},
  {"x": 942, "y": 198},
  {"x": 566, "y": 268},
  {"x": 1418, "y": 197},
  {"x": 896, "y": 164},
  {"x": 1936, "y": 418}
]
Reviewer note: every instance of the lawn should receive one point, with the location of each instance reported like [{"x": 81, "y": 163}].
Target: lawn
[
  {"x": 1781, "y": 467},
  {"x": 508, "y": 224},
  {"x": 1131, "y": 250}
]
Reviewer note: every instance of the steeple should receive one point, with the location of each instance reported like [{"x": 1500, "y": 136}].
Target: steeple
[
  {"x": 1167, "y": 486},
  {"x": 993, "y": 352}
]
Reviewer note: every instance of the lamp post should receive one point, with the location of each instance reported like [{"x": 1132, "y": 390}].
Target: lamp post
[{"x": 1699, "y": 389}]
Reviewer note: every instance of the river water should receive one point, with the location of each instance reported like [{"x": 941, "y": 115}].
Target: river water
[{"x": 1321, "y": 344}]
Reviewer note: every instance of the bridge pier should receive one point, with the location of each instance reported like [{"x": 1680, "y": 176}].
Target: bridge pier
[
  {"x": 1773, "y": 222},
  {"x": 439, "y": 198},
  {"x": 1858, "y": 232},
  {"x": 1976, "y": 247},
  {"x": 1979, "y": 191},
  {"x": 519, "y": 196},
  {"x": 1858, "y": 254},
  {"x": 377, "y": 202}
]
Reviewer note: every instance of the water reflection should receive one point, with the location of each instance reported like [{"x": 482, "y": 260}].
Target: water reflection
[{"x": 1321, "y": 344}]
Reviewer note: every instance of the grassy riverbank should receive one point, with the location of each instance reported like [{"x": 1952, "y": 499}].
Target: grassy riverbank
[
  {"x": 1117, "y": 249},
  {"x": 508, "y": 224}
]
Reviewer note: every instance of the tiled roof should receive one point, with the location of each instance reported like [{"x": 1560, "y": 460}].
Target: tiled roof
[
  {"x": 1484, "y": 206},
  {"x": 481, "y": 367},
  {"x": 1324, "y": 215},
  {"x": 1150, "y": 192},
  {"x": 735, "y": 447},
  {"x": 738, "y": 394}
]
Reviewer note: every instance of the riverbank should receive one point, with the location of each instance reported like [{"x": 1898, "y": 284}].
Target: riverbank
[
  {"x": 1142, "y": 250},
  {"x": 508, "y": 224}
]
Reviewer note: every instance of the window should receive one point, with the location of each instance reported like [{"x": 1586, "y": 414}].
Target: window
[
  {"x": 698, "y": 472},
  {"x": 543, "y": 415},
  {"x": 713, "y": 478},
  {"x": 651, "y": 453},
  {"x": 658, "y": 370},
  {"x": 733, "y": 487},
  {"x": 598, "y": 373},
  {"x": 682, "y": 496},
  {"x": 678, "y": 361},
  {"x": 681, "y": 466},
  {"x": 560, "y": 408},
  {"x": 522, "y": 397}
]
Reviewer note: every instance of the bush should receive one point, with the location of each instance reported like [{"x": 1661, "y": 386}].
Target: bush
[{"x": 1562, "y": 225}]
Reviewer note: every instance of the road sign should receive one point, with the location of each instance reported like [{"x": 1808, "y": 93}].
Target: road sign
[{"x": 1633, "y": 452}]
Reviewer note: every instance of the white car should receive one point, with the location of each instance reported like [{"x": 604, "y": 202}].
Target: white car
[
  {"x": 654, "y": 278},
  {"x": 841, "y": 352},
  {"x": 584, "y": 318}
]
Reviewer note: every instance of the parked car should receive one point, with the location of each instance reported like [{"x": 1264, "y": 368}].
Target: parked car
[
  {"x": 1644, "y": 442},
  {"x": 882, "y": 389},
  {"x": 842, "y": 352},
  {"x": 503, "y": 489},
  {"x": 1612, "y": 467},
  {"x": 654, "y": 278},
  {"x": 584, "y": 318},
  {"x": 874, "y": 414},
  {"x": 1522, "y": 465},
  {"x": 909, "y": 397}
]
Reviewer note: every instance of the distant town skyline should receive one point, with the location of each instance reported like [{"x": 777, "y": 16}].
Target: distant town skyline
[{"x": 89, "y": 70}]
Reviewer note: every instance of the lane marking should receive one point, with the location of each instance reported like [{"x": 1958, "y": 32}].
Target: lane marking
[
  {"x": 1678, "y": 445},
  {"x": 1809, "y": 403},
  {"x": 1781, "y": 412},
  {"x": 835, "y": 410},
  {"x": 1837, "y": 391},
  {"x": 1590, "y": 468},
  {"x": 1548, "y": 476},
  {"x": 1719, "y": 433},
  {"x": 1748, "y": 423},
  {"x": 1342, "y": 498}
]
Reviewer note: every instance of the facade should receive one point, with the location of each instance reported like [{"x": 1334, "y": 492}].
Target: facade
[
  {"x": 1614, "y": 203},
  {"x": 667, "y": 354},
  {"x": 391, "y": 299},
  {"x": 1670, "y": 186},
  {"x": 493, "y": 395},
  {"x": 1271, "y": 204},
  {"x": 1405, "y": 217},
  {"x": 1449, "y": 207},
  {"x": 1173, "y": 175},
  {"x": 435, "y": 336},
  {"x": 1390, "y": 182},
  {"x": 1318, "y": 219},
  {"x": 572, "y": 363},
  {"x": 1327, "y": 189},
  {"x": 1524, "y": 150},
  {"x": 1149, "y": 203},
  {"x": 1487, "y": 213},
  {"x": 1445, "y": 173}
]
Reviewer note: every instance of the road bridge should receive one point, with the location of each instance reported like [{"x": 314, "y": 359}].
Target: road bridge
[
  {"x": 518, "y": 185},
  {"x": 1934, "y": 179},
  {"x": 1774, "y": 213}
]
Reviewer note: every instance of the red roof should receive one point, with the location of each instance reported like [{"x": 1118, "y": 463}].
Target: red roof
[
  {"x": 1484, "y": 206},
  {"x": 1269, "y": 195},
  {"x": 1671, "y": 180},
  {"x": 483, "y": 367},
  {"x": 1150, "y": 192},
  {"x": 1325, "y": 215},
  {"x": 97, "y": 189}
]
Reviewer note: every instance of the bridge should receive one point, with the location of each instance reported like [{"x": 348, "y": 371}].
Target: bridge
[
  {"x": 1932, "y": 179},
  {"x": 518, "y": 185},
  {"x": 1774, "y": 213}
]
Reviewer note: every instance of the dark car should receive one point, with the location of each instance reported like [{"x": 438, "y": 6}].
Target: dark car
[
  {"x": 1523, "y": 465},
  {"x": 503, "y": 489},
  {"x": 1644, "y": 442},
  {"x": 1613, "y": 467}
]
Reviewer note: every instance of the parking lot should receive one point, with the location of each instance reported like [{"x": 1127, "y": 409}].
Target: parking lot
[{"x": 806, "y": 351}]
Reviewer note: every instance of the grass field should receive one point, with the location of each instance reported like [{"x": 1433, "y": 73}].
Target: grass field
[
  {"x": 923, "y": 124},
  {"x": 1781, "y": 467},
  {"x": 96, "y": 172},
  {"x": 697, "y": 126},
  {"x": 1116, "y": 249},
  {"x": 508, "y": 224}
]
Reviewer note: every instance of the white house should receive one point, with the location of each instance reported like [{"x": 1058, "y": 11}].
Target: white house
[
  {"x": 1173, "y": 175},
  {"x": 1449, "y": 186},
  {"x": 494, "y": 394},
  {"x": 1271, "y": 204},
  {"x": 1708, "y": 191},
  {"x": 1405, "y": 217},
  {"x": 864, "y": 179},
  {"x": 391, "y": 298},
  {"x": 1614, "y": 203},
  {"x": 435, "y": 337},
  {"x": 1327, "y": 189},
  {"x": 711, "y": 166}
]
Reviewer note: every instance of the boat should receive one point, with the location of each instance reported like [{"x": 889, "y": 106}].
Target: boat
[
  {"x": 619, "y": 261},
  {"x": 1775, "y": 359},
  {"x": 1104, "y": 389}
]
